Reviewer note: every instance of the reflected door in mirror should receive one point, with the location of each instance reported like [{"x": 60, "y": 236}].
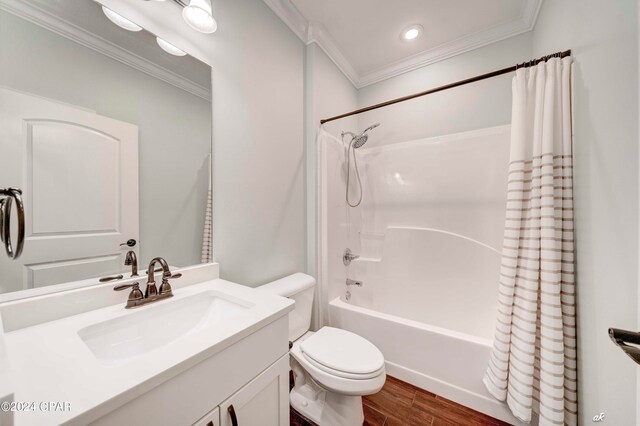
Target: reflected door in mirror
[{"x": 79, "y": 175}]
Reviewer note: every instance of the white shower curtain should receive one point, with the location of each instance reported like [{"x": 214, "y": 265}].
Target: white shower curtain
[{"x": 533, "y": 362}]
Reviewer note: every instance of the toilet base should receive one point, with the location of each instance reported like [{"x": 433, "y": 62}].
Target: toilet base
[
  {"x": 328, "y": 408},
  {"x": 342, "y": 410},
  {"x": 309, "y": 407},
  {"x": 321, "y": 406}
]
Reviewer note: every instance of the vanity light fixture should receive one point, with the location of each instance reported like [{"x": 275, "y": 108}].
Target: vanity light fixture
[
  {"x": 412, "y": 32},
  {"x": 120, "y": 20},
  {"x": 169, "y": 48},
  {"x": 198, "y": 15}
]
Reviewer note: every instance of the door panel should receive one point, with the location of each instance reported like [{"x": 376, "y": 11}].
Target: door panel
[
  {"x": 57, "y": 154},
  {"x": 49, "y": 273},
  {"x": 79, "y": 175}
]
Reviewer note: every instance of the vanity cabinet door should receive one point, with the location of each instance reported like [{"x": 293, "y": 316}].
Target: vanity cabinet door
[
  {"x": 262, "y": 402},
  {"x": 211, "y": 419}
]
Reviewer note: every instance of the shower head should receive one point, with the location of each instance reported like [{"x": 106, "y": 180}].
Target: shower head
[
  {"x": 361, "y": 139},
  {"x": 356, "y": 142}
]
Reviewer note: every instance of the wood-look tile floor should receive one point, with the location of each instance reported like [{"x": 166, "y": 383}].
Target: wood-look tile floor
[{"x": 399, "y": 403}]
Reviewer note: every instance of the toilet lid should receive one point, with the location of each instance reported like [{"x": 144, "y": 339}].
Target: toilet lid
[{"x": 342, "y": 351}]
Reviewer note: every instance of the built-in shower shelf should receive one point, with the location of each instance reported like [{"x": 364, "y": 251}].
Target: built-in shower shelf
[{"x": 370, "y": 259}]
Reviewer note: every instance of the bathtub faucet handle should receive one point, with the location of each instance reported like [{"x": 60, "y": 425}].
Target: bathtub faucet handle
[
  {"x": 348, "y": 256},
  {"x": 354, "y": 282}
]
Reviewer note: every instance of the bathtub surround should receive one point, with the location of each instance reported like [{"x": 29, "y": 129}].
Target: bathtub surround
[
  {"x": 429, "y": 232},
  {"x": 533, "y": 363}
]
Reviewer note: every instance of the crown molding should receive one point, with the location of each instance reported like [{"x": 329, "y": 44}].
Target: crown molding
[
  {"x": 290, "y": 15},
  {"x": 316, "y": 33},
  {"x": 310, "y": 32},
  {"x": 45, "y": 19}
]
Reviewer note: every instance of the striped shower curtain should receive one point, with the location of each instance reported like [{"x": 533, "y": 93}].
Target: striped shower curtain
[
  {"x": 207, "y": 243},
  {"x": 533, "y": 361}
]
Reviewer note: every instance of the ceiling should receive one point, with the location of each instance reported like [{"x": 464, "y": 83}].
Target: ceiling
[{"x": 363, "y": 36}]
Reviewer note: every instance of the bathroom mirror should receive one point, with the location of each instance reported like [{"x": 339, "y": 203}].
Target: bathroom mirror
[{"x": 107, "y": 132}]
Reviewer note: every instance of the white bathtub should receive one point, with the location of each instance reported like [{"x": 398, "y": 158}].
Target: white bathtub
[{"x": 445, "y": 362}]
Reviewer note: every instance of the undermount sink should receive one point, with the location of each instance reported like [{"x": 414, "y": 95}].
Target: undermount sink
[{"x": 117, "y": 340}]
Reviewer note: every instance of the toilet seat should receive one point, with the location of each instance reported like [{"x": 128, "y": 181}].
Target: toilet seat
[
  {"x": 343, "y": 374},
  {"x": 334, "y": 379},
  {"x": 343, "y": 354}
]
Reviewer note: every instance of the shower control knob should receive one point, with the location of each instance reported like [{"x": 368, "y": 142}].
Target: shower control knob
[{"x": 348, "y": 256}]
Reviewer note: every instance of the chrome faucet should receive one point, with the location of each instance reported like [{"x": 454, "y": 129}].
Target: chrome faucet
[
  {"x": 132, "y": 260},
  {"x": 137, "y": 298}
]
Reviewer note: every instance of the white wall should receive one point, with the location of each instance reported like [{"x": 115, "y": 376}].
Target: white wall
[
  {"x": 258, "y": 144},
  {"x": 604, "y": 41},
  {"x": 474, "y": 106},
  {"x": 172, "y": 123}
]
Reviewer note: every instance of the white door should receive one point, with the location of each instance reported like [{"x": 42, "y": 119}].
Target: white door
[
  {"x": 79, "y": 175},
  {"x": 262, "y": 402}
]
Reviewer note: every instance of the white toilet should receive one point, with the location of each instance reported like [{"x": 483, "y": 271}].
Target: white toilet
[{"x": 333, "y": 368}]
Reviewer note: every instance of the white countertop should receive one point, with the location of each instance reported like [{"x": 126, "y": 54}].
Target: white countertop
[{"x": 50, "y": 362}]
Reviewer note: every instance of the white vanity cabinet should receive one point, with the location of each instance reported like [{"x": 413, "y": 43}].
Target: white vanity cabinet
[
  {"x": 251, "y": 375},
  {"x": 211, "y": 419},
  {"x": 262, "y": 402}
]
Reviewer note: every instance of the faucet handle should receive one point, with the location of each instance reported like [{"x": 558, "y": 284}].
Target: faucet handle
[
  {"x": 133, "y": 286},
  {"x": 165, "y": 287},
  {"x": 135, "y": 295}
]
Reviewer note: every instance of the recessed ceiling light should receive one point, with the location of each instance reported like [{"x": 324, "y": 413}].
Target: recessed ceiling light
[
  {"x": 411, "y": 33},
  {"x": 120, "y": 20},
  {"x": 170, "y": 48}
]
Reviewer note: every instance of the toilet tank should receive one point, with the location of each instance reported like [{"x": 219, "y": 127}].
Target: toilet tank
[{"x": 300, "y": 288}]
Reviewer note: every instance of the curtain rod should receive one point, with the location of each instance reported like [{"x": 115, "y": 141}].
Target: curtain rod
[{"x": 450, "y": 86}]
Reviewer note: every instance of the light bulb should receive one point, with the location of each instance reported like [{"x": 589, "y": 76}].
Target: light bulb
[
  {"x": 198, "y": 16},
  {"x": 411, "y": 33},
  {"x": 169, "y": 48},
  {"x": 120, "y": 20}
]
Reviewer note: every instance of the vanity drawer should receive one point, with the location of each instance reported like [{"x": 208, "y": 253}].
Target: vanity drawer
[{"x": 187, "y": 397}]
